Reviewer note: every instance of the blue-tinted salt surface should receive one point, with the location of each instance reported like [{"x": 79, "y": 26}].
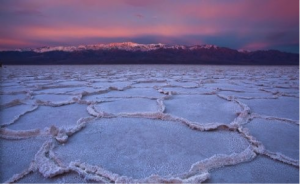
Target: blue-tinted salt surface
[{"x": 157, "y": 123}]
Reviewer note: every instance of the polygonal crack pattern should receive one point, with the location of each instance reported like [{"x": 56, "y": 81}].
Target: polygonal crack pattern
[
  {"x": 149, "y": 124},
  {"x": 139, "y": 147}
]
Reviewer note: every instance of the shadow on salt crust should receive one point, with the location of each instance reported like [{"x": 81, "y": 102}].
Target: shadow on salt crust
[
  {"x": 132, "y": 92},
  {"x": 13, "y": 89},
  {"x": 202, "y": 108},
  {"x": 4, "y": 99},
  {"x": 45, "y": 116},
  {"x": 67, "y": 90},
  {"x": 276, "y": 136},
  {"x": 16, "y": 155},
  {"x": 72, "y": 83},
  {"x": 247, "y": 94},
  {"x": 182, "y": 84},
  {"x": 227, "y": 86},
  {"x": 36, "y": 177},
  {"x": 138, "y": 148},
  {"x": 53, "y": 98},
  {"x": 180, "y": 90},
  {"x": 105, "y": 85},
  {"x": 149, "y": 84},
  {"x": 9, "y": 115},
  {"x": 132, "y": 105},
  {"x": 259, "y": 170},
  {"x": 283, "y": 107}
]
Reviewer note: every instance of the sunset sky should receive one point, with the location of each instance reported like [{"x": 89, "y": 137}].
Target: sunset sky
[{"x": 237, "y": 24}]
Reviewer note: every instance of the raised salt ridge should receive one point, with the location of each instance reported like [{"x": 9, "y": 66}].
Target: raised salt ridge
[{"x": 137, "y": 147}]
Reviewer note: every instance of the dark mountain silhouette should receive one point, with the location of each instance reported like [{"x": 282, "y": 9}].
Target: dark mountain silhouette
[{"x": 161, "y": 55}]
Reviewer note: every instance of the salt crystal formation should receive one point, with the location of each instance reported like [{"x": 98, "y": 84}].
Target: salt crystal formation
[{"x": 149, "y": 124}]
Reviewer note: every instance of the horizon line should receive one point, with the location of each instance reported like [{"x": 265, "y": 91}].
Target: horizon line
[{"x": 239, "y": 50}]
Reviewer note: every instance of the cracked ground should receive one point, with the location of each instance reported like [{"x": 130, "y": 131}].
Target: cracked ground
[{"x": 155, "y": 123}]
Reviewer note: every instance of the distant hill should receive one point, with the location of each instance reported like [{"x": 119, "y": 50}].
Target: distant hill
[{"x": 133, "y": 53}]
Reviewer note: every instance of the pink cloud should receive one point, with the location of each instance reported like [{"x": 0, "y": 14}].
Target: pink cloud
[
  {"x": 208, "y": 20},
  {"x": 256, "y": 46},
  {"x": 61, "y": 31},
  {"x": 6, "y": 43}
]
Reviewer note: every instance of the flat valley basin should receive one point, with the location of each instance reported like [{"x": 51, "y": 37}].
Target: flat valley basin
[{"x": 149, "y": 124}]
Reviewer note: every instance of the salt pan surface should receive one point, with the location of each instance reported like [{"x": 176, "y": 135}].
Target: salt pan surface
[
  {"x": 259, "y": 170},
  {"x": 202, "y": 108},
  {"x": 155, "y": 124},
  {"x": 284, "y": 107},
  {"x": 6, "y": 99},
  {"x": 132, "y": 105},
  {"x": 16, "y": 155},
  {"x": 138, "y": 147},
  {"x": 276, "y": 136},
  {"x": 46, "y": 116}
]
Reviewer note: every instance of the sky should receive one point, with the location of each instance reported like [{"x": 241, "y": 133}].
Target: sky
[{"x": 236, "y": 24}]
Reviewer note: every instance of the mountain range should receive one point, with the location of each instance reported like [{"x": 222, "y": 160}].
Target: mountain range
[{"x": 134, "y": 53}]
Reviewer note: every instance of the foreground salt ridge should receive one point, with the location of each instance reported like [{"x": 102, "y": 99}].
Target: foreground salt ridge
[
  {"x": 47, "y": 163},
  {"x": 98, "y": 174}
]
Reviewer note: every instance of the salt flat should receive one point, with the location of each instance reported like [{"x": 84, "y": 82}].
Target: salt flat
[{"x": 151, "y": 123}]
